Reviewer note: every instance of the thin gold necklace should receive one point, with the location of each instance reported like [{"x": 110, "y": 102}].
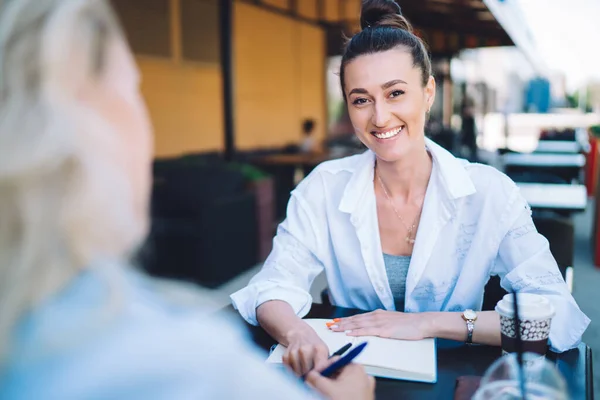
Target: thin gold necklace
[{"x": 409, "y": 229}]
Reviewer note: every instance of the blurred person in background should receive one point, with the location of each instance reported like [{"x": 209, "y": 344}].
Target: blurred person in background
[
  {"x": 76, "y": 321},
  {"x": 309, "y": 142}
]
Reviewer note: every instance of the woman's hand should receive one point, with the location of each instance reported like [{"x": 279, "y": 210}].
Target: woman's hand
[
  {"x": 350, "y": 383},
  {"x": 388, "y": 324},
  {"x": 305, "y": 350}
]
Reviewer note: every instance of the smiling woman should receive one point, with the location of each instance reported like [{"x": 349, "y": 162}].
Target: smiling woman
[{"x": 405, "y": 229}]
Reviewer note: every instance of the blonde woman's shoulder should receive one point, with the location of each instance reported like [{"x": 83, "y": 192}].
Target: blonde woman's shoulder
[{"x": 159, "y": 338}]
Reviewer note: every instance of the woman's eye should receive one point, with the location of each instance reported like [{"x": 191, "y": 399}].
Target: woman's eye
[
  {"x": 396, "y": 93},
  {"x": 359, "y": 101}
]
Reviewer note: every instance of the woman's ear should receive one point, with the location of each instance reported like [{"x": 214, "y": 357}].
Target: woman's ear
[{"x": 430, "y": 92}]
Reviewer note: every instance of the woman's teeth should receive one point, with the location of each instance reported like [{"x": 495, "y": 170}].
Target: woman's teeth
[{"x": 388, "y": 134}]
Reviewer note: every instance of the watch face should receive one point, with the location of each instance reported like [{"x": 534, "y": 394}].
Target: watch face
[{"x": 470, "y": 314}]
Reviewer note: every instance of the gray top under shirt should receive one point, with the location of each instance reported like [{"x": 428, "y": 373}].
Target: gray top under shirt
[{"x": 396, "y": 268}]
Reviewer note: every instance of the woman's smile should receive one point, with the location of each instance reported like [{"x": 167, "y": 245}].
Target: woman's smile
[{"x": 387, "y": 134}]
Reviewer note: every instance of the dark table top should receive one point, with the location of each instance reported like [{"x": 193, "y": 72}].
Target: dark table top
[{"x": 457, "y": 359}]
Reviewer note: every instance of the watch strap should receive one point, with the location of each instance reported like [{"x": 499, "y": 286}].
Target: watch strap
[{"x": 470, "y": 327}]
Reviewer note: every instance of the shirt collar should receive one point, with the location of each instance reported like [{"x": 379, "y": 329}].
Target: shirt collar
[{"x": 450, "y": 170}]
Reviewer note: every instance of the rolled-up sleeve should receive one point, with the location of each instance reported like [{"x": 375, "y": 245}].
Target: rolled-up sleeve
[
  {"x": 525, "y": 264},
  {"x": 292, "y": 266}
]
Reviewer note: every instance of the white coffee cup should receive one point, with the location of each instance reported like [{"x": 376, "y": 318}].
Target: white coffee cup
[{"x": 535, "y": 314}]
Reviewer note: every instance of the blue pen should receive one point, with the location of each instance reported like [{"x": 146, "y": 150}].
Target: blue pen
[{"x": 342, "y": 362}]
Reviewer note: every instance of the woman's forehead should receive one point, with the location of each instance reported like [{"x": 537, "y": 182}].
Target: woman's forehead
[{"x": 376, "y": 69}]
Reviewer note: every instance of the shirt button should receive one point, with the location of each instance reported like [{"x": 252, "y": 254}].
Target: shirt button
[{"x": 380, "y": 289}]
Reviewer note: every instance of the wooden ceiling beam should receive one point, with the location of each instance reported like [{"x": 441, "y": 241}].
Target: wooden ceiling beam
[{"x": 457, "y": 9}]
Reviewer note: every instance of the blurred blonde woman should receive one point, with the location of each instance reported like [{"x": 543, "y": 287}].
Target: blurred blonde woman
[{"x": 75, "y": 151}]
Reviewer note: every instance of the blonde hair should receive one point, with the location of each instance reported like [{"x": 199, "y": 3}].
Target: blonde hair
[{"x": 63, "y": 204}]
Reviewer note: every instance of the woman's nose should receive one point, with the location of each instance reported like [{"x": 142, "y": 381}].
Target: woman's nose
[{"x": 381, "y": 114}]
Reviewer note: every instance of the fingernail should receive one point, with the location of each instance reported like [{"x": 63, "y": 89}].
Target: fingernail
[
  {"x": 329, "y": 323},
  {"x": 333, "y": 327},
  {"x": 337, "y": 319}
]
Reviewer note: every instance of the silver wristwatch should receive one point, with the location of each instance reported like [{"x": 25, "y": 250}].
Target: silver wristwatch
[{"x": 470, "y": 317}]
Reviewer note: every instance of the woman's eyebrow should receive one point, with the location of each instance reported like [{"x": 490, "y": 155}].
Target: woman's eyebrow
[
  {"x": 358, "y": 90},
  {"x": 392, "y": 83},
  {"x": 384, "y": 86}
]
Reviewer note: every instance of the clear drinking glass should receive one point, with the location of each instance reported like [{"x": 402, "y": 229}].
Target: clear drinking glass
[{"x": 542, "y": 380}]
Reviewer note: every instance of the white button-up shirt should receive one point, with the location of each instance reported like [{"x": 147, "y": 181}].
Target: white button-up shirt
[{"x": 474, "y": 224}]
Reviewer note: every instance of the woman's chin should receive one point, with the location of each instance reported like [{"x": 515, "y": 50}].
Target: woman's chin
[
  {"x": 390, "y": 158},
  {"x": 391, "y": 154}
]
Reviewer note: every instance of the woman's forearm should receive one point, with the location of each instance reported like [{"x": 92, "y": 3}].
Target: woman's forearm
[
  {"x": 450, "y": 325},
  {"x": 280, "y": 321}
]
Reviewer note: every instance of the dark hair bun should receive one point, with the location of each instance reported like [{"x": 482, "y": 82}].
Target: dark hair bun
[{"x": 382, "y": 13}]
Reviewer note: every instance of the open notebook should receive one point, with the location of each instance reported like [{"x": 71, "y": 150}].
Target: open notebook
[{"x": 412, "y": 360}]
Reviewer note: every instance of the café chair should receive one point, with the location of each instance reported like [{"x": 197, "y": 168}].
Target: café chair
[
  {"x": 325, "y": 297},
  {"x": 492, "y": 293},
  {"x": 536, "y": 177},
  {"x": 560, "y": 233},
  {"x": 199, "y": 207},
  {"x": 548, "y": 174}
]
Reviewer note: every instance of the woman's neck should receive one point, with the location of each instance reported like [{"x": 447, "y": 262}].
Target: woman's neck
[{"x": 406, "y": 179}]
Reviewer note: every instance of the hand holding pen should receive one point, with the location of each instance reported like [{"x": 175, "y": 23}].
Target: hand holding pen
[
  {"x": 351, "y": 381},
  {"x": 337, "y": 365}
]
